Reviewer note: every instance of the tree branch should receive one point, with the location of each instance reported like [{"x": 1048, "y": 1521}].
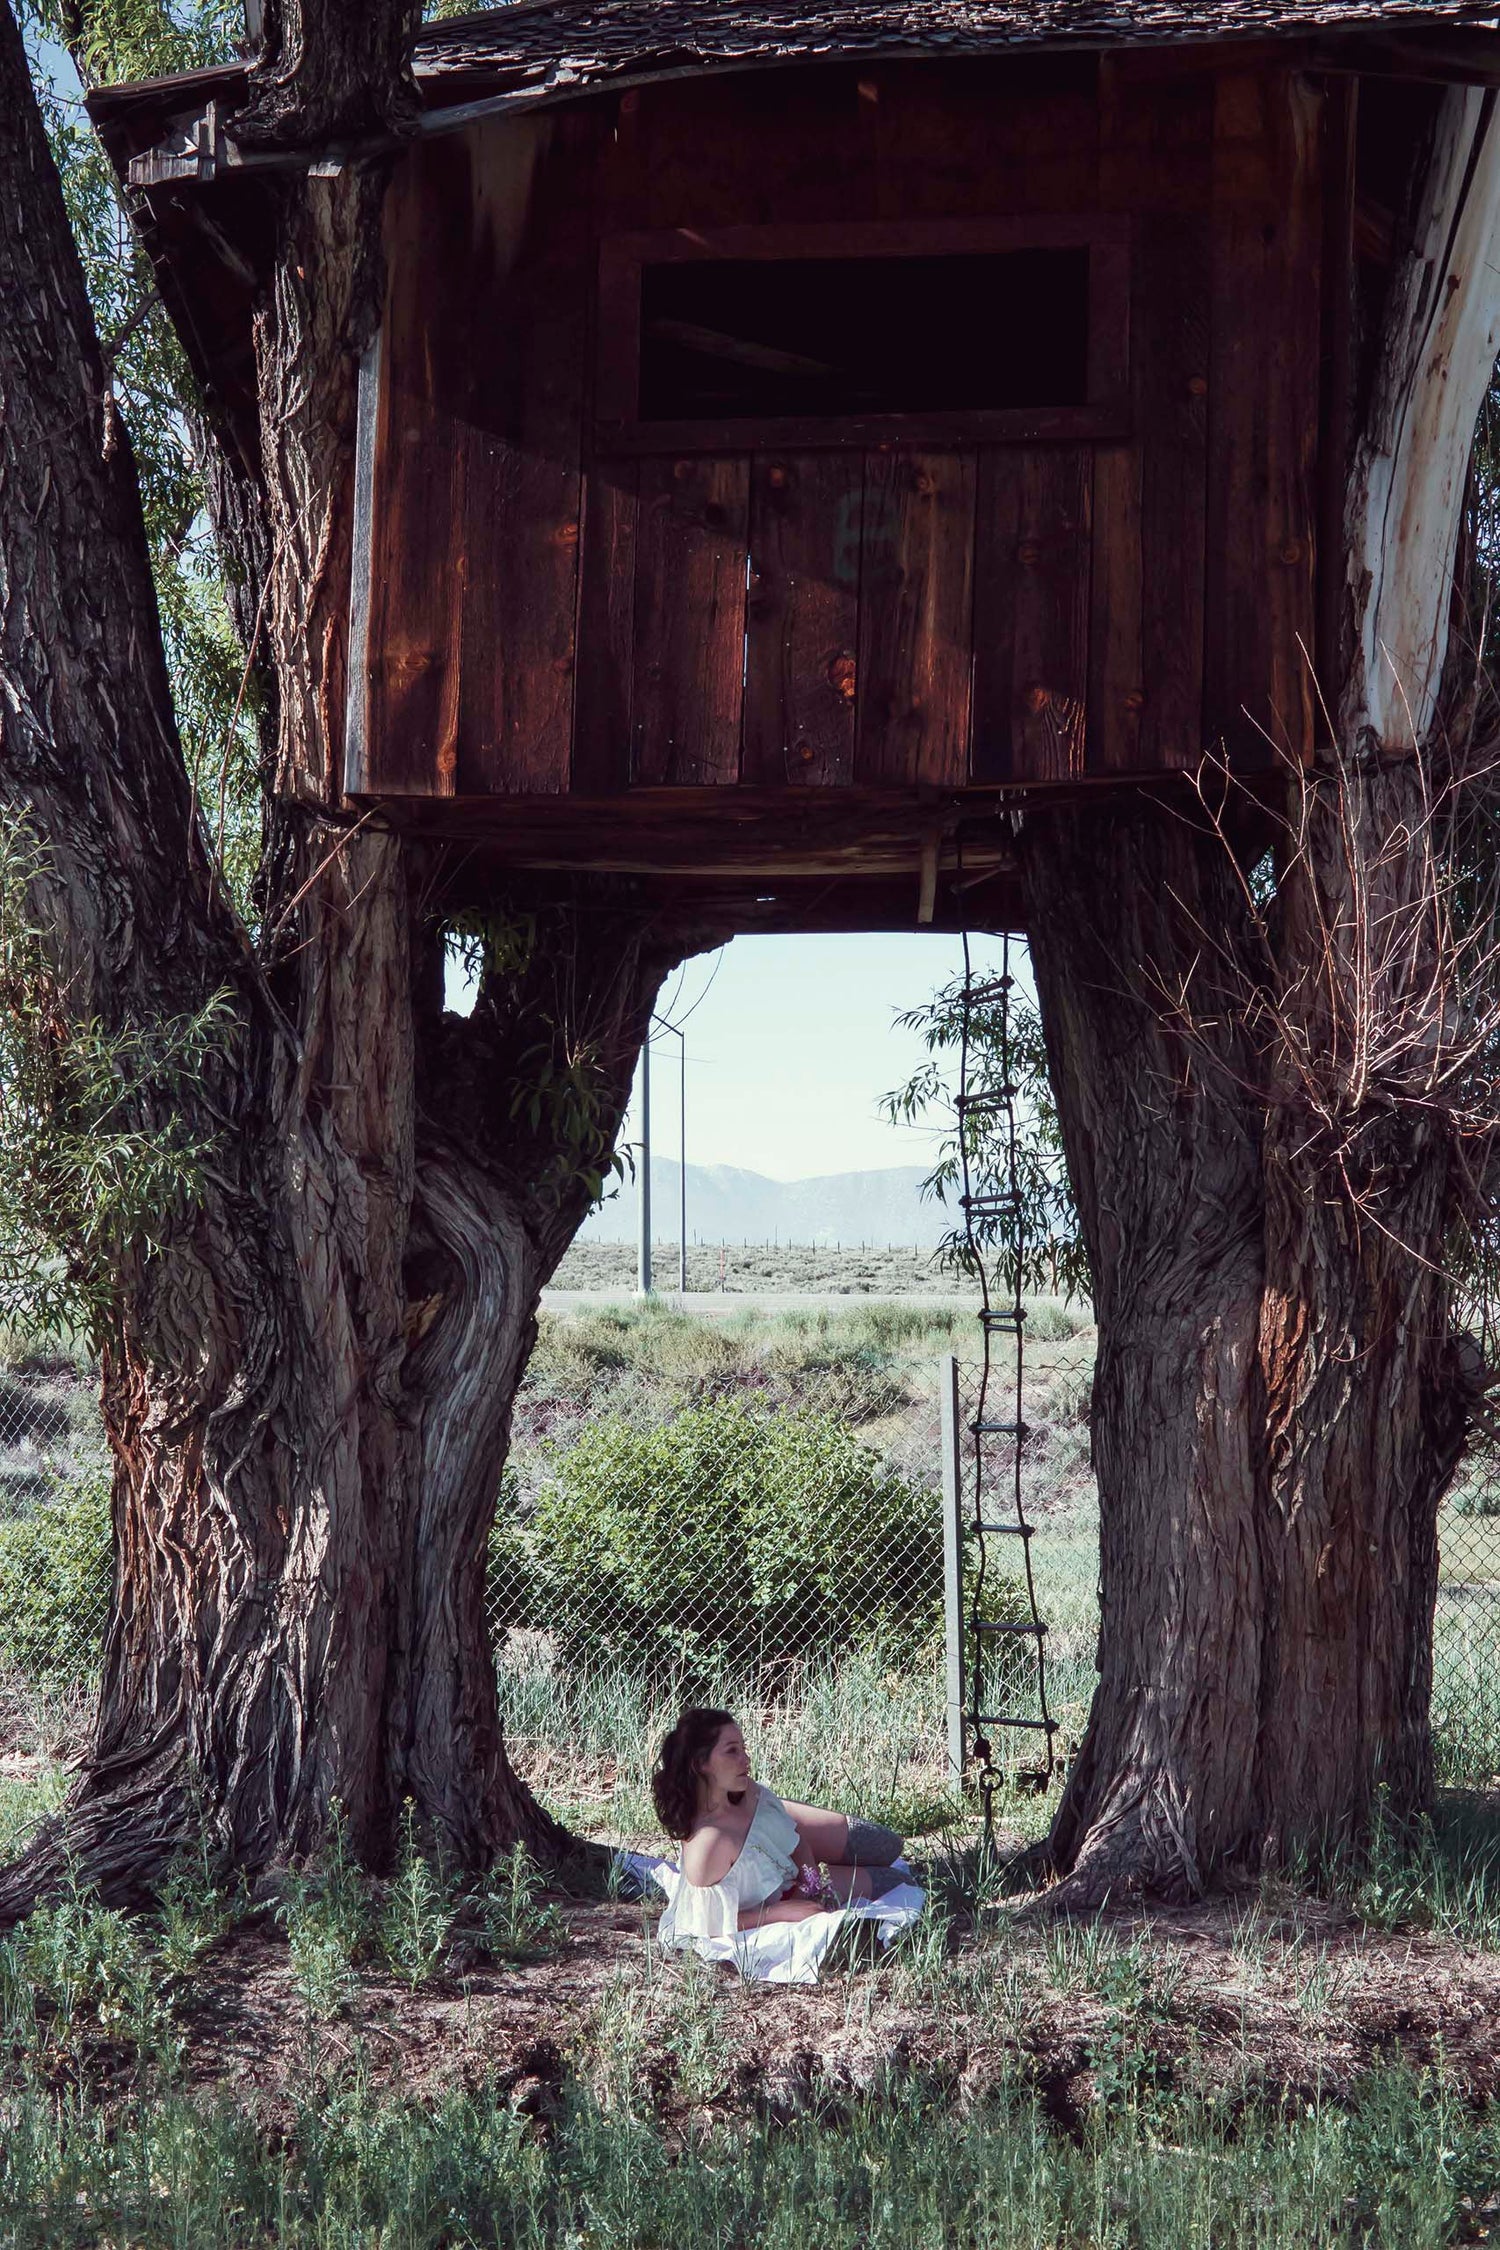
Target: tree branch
[{"x": 88, "y": 740}]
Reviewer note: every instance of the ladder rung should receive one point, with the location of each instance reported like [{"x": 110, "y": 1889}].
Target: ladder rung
[
  {"x": 978, "y": 1626},
  {"x": 1035, "y": 1726},
  {"x": 1002, "y": 1098},
  {"x": 997, "y": 1199},
  {"x": 1001, "y": 1429},
  {"x": 990, "y": 990},
  {"x": 1009, "y": 1530},
  {"x": 1012, "y": 1319}
]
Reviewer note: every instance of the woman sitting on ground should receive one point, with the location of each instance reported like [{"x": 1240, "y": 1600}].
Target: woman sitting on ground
[{"x": 747, "y": 1858}]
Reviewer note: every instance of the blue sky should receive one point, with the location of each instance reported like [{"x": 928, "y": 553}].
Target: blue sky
[{"x": 790, "y": 1045}]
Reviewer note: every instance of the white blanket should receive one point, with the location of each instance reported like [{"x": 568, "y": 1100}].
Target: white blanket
[{"x": 787, "y": 1952}]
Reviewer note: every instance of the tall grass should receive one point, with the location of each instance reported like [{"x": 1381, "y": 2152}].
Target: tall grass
[{"x": 1405, "y": 2167}]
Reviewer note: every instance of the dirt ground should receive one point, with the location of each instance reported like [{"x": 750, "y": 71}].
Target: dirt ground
[{"x": 1229, "y": 1995}]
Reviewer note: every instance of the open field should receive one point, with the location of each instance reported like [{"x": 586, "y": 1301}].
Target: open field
[{"x": 756, "y": 1269}]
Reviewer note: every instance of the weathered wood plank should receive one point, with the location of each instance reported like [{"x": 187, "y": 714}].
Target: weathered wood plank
[
  {"x": 1170, "y": 384},
  {"x": 1031, "y": 613},
  {"x": 957, "y": 137},
  {"x": 528, "y": 339},
  {"x": 689, "y": 660},
  {"x": 802, "y": 625},
  {"x": 1156, "y": 162},
  {"x": 916, "y": 618},
  {"x": 418, "y": 561},
  {"x": 606, "y": 628},
  {"x": 1117, "y": 691},
  {"x": 1264, "y": 383}
]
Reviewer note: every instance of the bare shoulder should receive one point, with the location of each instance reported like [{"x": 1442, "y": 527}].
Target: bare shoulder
[{"x": 708, "y": 1855}]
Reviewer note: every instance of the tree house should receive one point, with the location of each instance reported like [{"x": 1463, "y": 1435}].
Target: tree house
[{"x": 788, "y": 431}]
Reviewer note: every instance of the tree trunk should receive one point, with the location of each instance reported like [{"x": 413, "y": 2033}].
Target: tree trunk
[
  {"x": 1364, "y": 1412},
  {"x": 1162, "y": 1144},
  {"x": 1261, "y": 1129},
  {"x": 1277, "y": 1407},
  {"x": 308, "y": 1389}
]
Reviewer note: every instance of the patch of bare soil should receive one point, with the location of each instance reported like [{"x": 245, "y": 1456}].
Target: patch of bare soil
[{"x": 1224, "y": 1995}]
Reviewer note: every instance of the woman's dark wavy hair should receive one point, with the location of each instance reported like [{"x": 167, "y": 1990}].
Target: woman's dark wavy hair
[{"x": 674, "y": 1782}]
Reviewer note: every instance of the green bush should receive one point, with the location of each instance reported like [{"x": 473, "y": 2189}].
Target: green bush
[
  {"x": 55, "y": 1564},
  {"x": 725, "y": 1531}
]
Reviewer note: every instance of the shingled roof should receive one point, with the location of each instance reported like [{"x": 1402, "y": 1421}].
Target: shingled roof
[
  {"x": 585, "y": 41},
  {"x": 535, "y": 51}
]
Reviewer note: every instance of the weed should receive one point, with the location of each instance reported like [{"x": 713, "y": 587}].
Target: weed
[
  {"x": 327, "y": 1914},
  {"x": 194, "y": 1908},
  {"x": 417, "y": 1913},
  {"x": 515, "y": 1923},
  {"x": 78, "y": 1974}
]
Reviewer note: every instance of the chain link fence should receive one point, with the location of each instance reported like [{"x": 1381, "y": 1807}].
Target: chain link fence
[
  {"x": 54, "y": 1520},
  {"x": 769, "y": 1537},
  {"x": 760, "y": 1529},
  {"x": 1466, "y": 1628},
  {"x": 748, "y": 1518}
]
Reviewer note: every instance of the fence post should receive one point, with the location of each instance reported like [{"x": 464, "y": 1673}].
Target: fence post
[{"x": 953, "y": 1549}]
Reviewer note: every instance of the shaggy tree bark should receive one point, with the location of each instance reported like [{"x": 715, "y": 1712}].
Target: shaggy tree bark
[
  {"x": 1163, "y": 1149},
  {"x": 308, "y": 1391},
  {"x": 1267, "y": 1189},
  {"x": 1364, "y": 1410}
]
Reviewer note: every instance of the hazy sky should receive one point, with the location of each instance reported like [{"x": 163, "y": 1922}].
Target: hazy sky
[{"x": 790, "y": 1045}]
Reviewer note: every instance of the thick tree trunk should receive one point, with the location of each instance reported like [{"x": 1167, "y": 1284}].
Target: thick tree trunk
[
  {"x": 308, "y": 1389},
  {"x": 1364, "y": 1413},
  {"x": 1276, "y": 1406},
  {"x": 1162, "y": 1142},
  {"x": 1259, "y": 1123}
]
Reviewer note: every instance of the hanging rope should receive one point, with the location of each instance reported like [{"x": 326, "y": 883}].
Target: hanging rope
[{"x": 997, "y": 1212}]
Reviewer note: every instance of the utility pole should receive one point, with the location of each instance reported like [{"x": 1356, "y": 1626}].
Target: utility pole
[
  {"x": 681, "y": 1037},
  {"x": 643, "y": 1177}
]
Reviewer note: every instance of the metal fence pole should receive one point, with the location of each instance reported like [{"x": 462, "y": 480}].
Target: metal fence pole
[
  {"x": 643, "y": 1256},
  {"x": 953, "y": 1549}
]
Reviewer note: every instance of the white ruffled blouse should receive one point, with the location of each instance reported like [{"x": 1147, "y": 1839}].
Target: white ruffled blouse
[{"x": 762, "y": 1870}]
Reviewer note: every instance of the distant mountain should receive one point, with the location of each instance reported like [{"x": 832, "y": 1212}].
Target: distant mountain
[{"x": 725, "y": 1204}]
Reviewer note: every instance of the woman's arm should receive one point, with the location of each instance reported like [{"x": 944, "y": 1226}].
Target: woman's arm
[{"x": 778, "y": 1910}]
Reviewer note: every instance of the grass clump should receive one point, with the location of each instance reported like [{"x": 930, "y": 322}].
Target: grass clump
[
  {"x": 78, "y": 1976},
  {"x": 417, "y": 1913},
  {"x": 327, "y": 1910},
  {"x": 195, "y": 1909},
  {"x": 513, "y": 1918}
]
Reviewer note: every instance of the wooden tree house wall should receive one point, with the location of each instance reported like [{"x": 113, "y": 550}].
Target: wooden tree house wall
[{"x": 557, "y": 595}]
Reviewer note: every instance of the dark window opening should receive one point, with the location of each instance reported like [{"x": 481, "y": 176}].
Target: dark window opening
[{"x": 752, "y": 338}]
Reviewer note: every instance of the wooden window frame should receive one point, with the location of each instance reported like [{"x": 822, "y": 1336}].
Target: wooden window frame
[{"x": 1106, "y": 415}]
